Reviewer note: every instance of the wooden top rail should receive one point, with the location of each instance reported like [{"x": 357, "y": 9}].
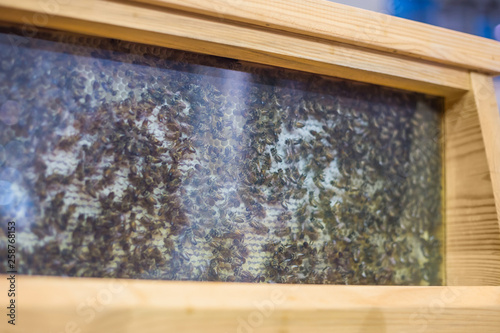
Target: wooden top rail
[
  {"x": 346, "y": 24},
  {"x": 144, "y": 23}
]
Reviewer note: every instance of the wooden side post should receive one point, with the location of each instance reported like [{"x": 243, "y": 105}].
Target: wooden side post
[
  {"x": 489, "y": 118},
  {"x": 472, "y": 199}
]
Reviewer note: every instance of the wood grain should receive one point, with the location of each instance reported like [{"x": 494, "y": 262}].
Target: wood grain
[
  {"x": 472, "y": 229},
  {"x": 152, "y": 25},
  {"x": 489, "y": 118},
  {"x": 341, "y": 23},
  {"x": 55, "y": 304}
]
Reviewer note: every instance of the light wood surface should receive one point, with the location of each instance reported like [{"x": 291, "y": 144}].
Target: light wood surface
[
  {"x": 156, "y": 26},
  {"x": 337, "y": 22},
  {"x": 489, "y": 118},
  {"x": 49, "y": 304},
  {"x": 472, "y": 229}
]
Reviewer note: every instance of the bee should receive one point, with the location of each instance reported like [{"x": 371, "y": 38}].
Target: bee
[
  {"x": 242, "y": 249},
  {"x": 55, "y": 178},
  {"x": 312, "y": 200},
  {"x": 169, "y": 245},
  {"x": 282, "y": 232},
  {"x": 152, "y": 159},
  {"x": 77, "y": 236},
  {"x": 41, "y": 187},
  {"x": 311, "y": 233},
  {"x": 133, "y": 224},
  {"x": 64, "y": 220},
  {"x": 107, "y": 201},
  {"x": 245, "y": 276},
  {"x": 329, "y": 155},
  {"x": 133, "y": 170},
  {"x": 184, "y": 255},
  {"x": 58, "y": 201},
  {"x": 149, "y": 198},
  {"x": 258, "y": 147},
  {"x": 268, "y": 140},
  {"x": 147, "y": 222},
  {"x": 210, "y": 201},
  {"x": 267, "y": 162},
  {"x": 108, "y": 174},
  {"x": 199, "y": 168},
  {"x": 259, "y": 228},
  {"x": 213, "y": 274},
  {"x": 218, "y": 197},
  {"x": 234, "y": 202},
  {"x": 190, "y": 235},
  {"x": 38, "y": 163},
  {"x": 315, "y": 134},
  {"x": 275, "y": 155},
  {"x": 66, "y": 143},
  {"x": 234, "y": 235},
  {"x": 139, "y": 240},
  {"x": 318, "y": 184},
  {"x": 285, "y": 216},
  {"x": 219, "y": 126},
  {"x": 304, "y": 145},
  {"x": 316, "y": 222},
  {"x": 216, "y": 233},
  {"x": 271, "y": 246},
  {"x": 236, "y": 217}
]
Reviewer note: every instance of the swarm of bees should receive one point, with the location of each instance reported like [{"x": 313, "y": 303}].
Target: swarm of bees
[{"x": 144, "y": 162}]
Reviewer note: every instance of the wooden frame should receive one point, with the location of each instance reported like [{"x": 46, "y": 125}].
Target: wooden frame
[{"x": 330, "y": 39}]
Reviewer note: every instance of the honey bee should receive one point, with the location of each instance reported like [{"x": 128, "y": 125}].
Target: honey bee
[
  {"x": 169, "y": 244},
  {"x": 152, "y": 159},
  {"x": 149, "y": 198},
  {"x": 234, "y": 235},
  {"x": 189, "y": 234},
  {"x": 80, "y": 171},
  {"x": 277, "y": 157},
  {"x": 133, "y": 224},
  {"x": 133, "y": 170},
  {"x": 312, "y": 201},
  {"x": 237, "y": 218},
  {"x": 270, "y": 246},
  {"x": 108, "y": 174},
  {"x": 184, "y": 254},
  {"x": 259, "y": 228},
  {"x": 66, "y": 143},
  {"x": 57, "y": 202},
  {"x": 316, "y": 222},
  {"x": 282, "y": 232}
]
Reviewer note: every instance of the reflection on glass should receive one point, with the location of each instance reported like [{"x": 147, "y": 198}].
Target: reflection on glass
[{"x": 124, "y": 160}]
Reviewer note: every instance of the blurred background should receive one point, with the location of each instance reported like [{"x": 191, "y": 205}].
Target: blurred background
[{"x": 477, "y": 17}]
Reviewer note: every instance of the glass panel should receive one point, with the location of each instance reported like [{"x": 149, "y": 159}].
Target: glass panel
[{"x": 125, "y": 160}]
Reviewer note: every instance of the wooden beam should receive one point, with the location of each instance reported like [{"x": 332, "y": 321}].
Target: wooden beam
[
  {"x": 489, "y": 118},
  {"x": 151, "y": 25},
  {"x": 471, "y": 219},
  {"x": 341, "y": 23},
  {"x": 56, "y": 304}
]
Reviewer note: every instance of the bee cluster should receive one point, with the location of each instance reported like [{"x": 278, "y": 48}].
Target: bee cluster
[{"x": 132, "y": 161}]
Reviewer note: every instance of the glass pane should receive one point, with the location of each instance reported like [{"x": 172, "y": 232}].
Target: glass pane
[{"x": 132, "y": 161}]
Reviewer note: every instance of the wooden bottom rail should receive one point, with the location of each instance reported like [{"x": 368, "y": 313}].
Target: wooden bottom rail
[{"x": 56, "y": 304}]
